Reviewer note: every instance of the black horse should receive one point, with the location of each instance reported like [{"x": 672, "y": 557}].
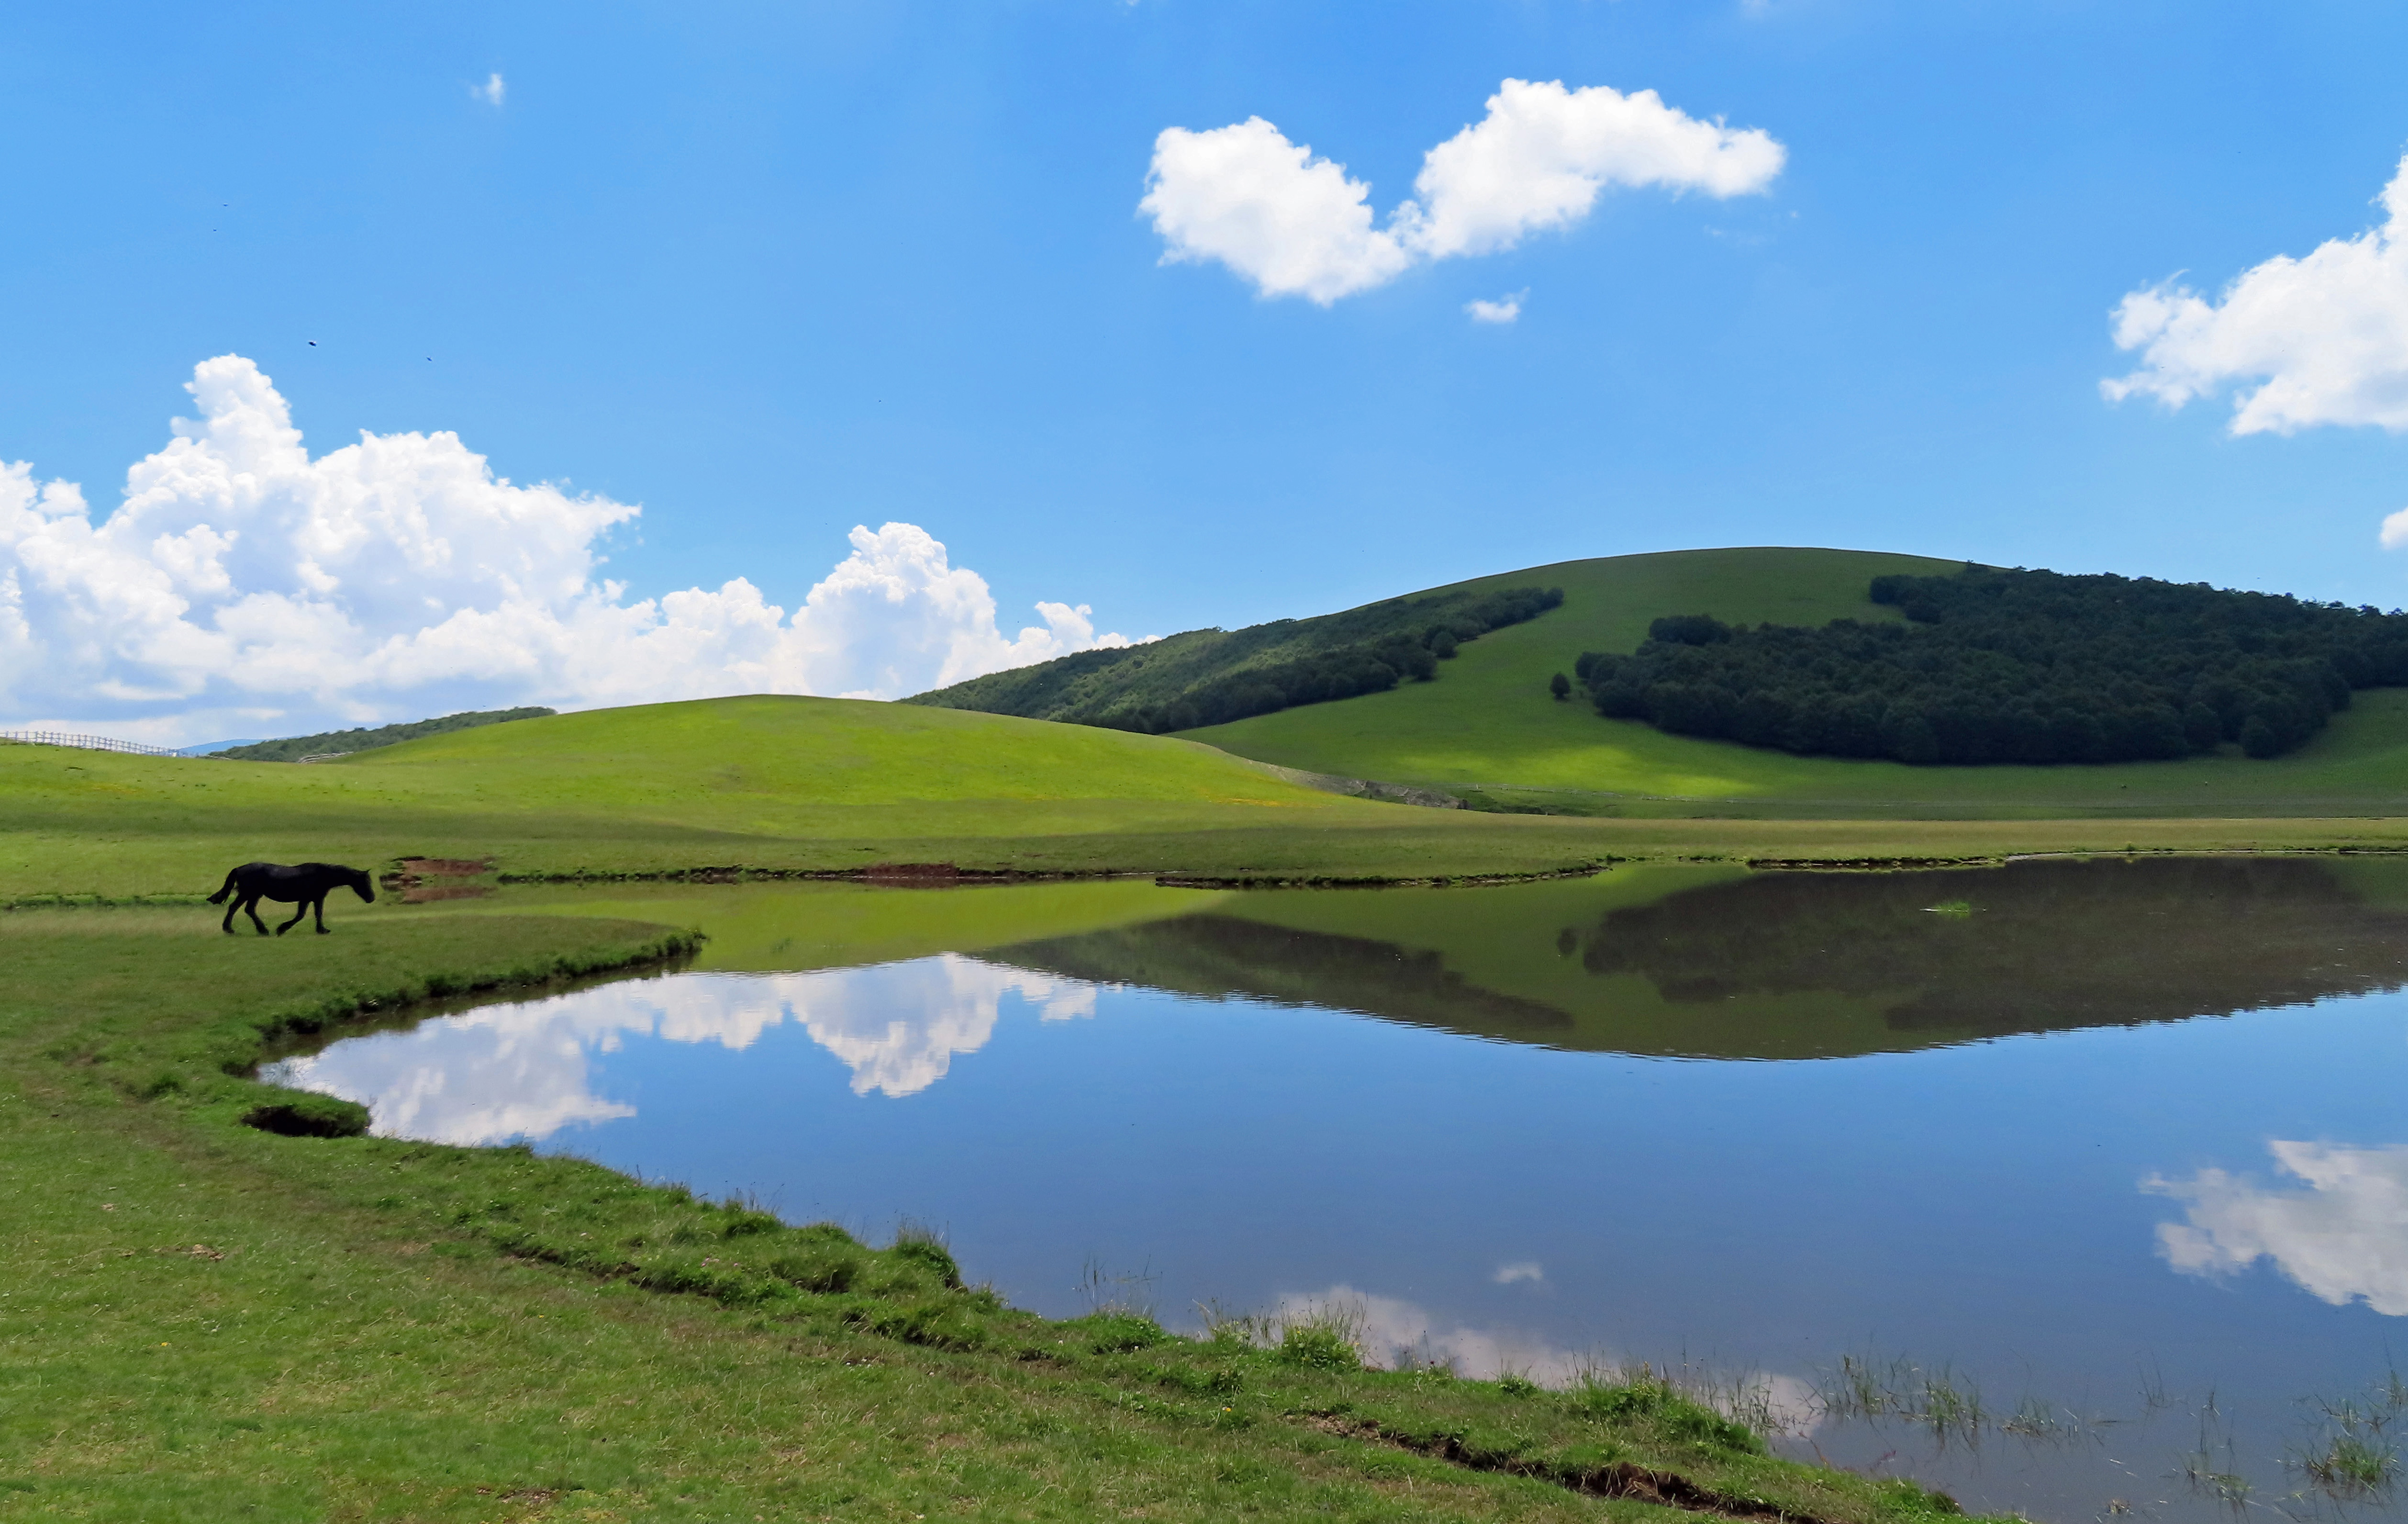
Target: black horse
[{"x": 308, "y": 883}]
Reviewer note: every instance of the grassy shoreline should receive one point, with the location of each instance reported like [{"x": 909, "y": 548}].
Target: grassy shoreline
[{"x": 213, "y": 1321}]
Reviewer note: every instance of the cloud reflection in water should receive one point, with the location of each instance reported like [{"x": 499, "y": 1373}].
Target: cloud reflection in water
[
  {"x": 1393, "y": 1333},
  {"x": 524, "y": 1070},
  {"x": 2344, "y": 1238}
]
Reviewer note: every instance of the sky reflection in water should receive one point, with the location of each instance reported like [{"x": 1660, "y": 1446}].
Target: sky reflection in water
[{"x": 1492, "y": 1121}]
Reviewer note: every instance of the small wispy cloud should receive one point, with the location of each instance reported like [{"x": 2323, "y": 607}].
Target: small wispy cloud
[
  {"x": 489, "y": 92},
  {"x": 1503, "y": 309},
  {"x": 1523, "y": 1270}
]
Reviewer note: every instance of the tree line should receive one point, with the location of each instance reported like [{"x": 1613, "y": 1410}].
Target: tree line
[
  {"x": 1211, "y": 676},
  {"x": 341, "y": 742},
  {"x": 2014, "y": 666}
]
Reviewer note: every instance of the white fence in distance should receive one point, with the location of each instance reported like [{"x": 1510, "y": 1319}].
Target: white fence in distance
[{"x": 89, "y": 743}]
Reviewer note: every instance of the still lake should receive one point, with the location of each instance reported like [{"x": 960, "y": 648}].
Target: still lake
[{"x": 2121, "y": 1145}]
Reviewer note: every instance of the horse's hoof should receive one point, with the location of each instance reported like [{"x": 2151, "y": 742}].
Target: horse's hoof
[{"x": 323, "y": 932}]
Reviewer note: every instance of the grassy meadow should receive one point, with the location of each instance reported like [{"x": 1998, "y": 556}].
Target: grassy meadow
[
  {"x": 790, "y": 784},
  {"x": 815, "y": 785},
  {"x": 1487, "y": 727},
  {"x": 207, "y": 1321}
]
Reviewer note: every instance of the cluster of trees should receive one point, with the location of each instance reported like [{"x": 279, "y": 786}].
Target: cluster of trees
[
  {"x": 338, "y": 742},
  {"x": 1211, "y": 677},
  {"x": 1996, "y": 666}
]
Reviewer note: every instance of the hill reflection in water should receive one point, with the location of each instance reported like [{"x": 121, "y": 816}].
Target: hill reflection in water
[{"x": 1795, "y": 964}]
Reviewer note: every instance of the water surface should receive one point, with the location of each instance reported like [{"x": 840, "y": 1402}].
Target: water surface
[{"x": 2121, "y": 1144}]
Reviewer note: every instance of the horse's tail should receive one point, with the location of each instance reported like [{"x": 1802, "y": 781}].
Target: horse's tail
[{"x": 224, "y": 889}]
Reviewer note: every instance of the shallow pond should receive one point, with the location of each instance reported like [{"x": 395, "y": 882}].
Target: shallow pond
[{"x": 2117, "y": 1149}]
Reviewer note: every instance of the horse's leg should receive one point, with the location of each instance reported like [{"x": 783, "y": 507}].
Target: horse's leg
[
  {"x": 251, "y": 908},
  {"x": 319, "y": 905},
  {"x": 232, "y": 905},
  {"x": 298, "y": 911}
]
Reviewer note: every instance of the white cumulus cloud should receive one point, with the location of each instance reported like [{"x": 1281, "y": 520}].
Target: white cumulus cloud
[
  {"x": 1293, "y": 225},
  {"x": 2344, "y": 1238},
  {"x": 1503, "y": 309},
  {"x": 2395, "y": 530},
  {"x": 242, "y": 581},
  {"x": 1296, "y": 225},
  {"x": 2323, "y": 338},
  {"x": 489, "y": 92}
]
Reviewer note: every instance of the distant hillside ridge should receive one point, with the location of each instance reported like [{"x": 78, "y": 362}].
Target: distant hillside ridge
[
  {"x": 1215, "y": 676},
  {"x": 1995, "y": 665},
  {"x": 344, "y": 742},
  {"x": 1491, "y": 733}
]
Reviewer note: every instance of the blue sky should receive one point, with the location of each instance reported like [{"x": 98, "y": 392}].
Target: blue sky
[{"x": 773, "y": 272}]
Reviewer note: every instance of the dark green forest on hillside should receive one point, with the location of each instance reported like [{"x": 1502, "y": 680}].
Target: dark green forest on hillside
[
  {"x": 344, "y": 742},
  {"x": 2029, "y": 667},
  {"x": 1211, "y": 676}
]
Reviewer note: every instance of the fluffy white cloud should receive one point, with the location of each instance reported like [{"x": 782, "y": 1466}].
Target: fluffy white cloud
[
  {"x": 2395, "y": 530},
  {"x": 1503, "y": 309},
  {"x": 2344, "y": 1238},
  {"x": 1296, "y": 225},
  {"x": 490, "y": 91},
  {"x": 1542, "y": 153},
  {"x": 242, "y": 581},
  {"x": 1293, "y": 225},
  {"x": 2325, "y": 337}
]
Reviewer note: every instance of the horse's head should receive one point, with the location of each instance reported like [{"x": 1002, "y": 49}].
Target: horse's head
[{"x": 361, "y": 883}]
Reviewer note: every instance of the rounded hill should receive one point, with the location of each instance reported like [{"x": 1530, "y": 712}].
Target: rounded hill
[{"x": 1489, "y": 729}]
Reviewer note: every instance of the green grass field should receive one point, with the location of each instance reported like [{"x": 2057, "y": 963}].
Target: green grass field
[
  {"x": 1487, "y": 725},
  {"x": 202, "y": 1321},
  {"x": 771, "y": 783},
  {"x": 834, "y": 785}
]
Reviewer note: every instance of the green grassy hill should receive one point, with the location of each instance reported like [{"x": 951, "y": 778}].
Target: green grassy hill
[
  {"x": 783, "y": 782},
  {"x": 766, "y": 783},
  {"x": 1489, "y": 730},
  {"x": 786, "y": 784},
  {"x": 360, "y": 737},
  {"x": 1214, "y": 676}
]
